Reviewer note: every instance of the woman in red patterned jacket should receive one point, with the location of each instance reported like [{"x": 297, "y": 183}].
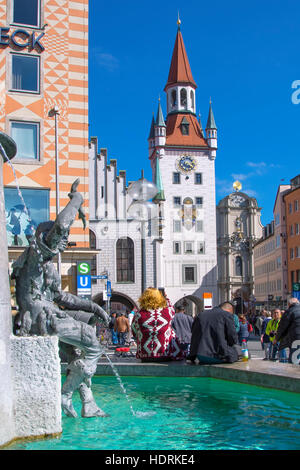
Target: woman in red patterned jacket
[{"x": 151, "y": 326}]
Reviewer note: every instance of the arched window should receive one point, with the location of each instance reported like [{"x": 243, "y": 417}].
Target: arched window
[
  {"x": 192, "y": 99},
  {"x": 92, "y": 240},
  {"x": 173, "y": 98},
  {"x": 238, "y": 266},
  {"x": 125, "y": 260},
  {"x": 183, "y": 98}
]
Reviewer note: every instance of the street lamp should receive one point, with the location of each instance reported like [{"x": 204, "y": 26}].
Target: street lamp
[
  {"x": 142, "y": 209},
  {"x": 54, "y": 112}
]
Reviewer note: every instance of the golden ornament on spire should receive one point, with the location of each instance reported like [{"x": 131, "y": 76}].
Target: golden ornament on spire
[
  {"x": 178, "y": 21},
  {"x": 237, "y": 186}
]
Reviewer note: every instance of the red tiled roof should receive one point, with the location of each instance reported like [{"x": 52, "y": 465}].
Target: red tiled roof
[
  {"x": 175, "y": 136},
  {"x": 180, "y": 70}
]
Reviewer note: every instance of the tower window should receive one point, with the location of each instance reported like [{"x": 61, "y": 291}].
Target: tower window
[
  {"x": 199, "y": 202},
  {"x": 201, "y": 248},
  {"x": 192, "y": 99},
  {"x": 188, "y": 247},
  {"x": 176, "y": 178},
  {"x": 198, "y": 178},
  {"x": 176, "y": 248},
  {"x": 173, "y": 98},
  {"x": 177, "y": 226},
  {"x": 199, "y": 226},
  {"x": 183, "y": 98},
  {"x": 177, "y": 201},
  {"x": 189, "y": 274}
]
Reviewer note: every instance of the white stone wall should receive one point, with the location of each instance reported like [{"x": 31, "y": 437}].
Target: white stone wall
[
  {"x": 37, "y": 385},
  {"x": 206, "y": 263}
]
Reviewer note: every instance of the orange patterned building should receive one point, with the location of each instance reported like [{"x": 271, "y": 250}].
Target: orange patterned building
[{"x": 44, "y": 64}]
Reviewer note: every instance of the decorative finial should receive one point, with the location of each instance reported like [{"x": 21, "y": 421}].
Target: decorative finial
[
  {"x": 178, "y": 21},
  {"x": 159, "y": 98},
  {"x": 210, "y": 100},
  {"x": 237, "y": 186}
]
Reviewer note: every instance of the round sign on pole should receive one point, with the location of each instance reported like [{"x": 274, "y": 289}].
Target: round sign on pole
[{"x": 83, "y": 267}]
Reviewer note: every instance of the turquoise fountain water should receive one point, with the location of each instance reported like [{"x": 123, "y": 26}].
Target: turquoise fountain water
[{"x": 190, "y": 414}]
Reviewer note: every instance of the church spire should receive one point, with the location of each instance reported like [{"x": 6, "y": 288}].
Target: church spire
[
  {"x": 211, "y": 124},
  {"x": 160, "y": 196},
  {"x": 159, "y": 117},
  {"x": 180, "y": 70}
]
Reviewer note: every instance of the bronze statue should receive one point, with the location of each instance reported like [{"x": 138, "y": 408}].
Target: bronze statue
[{"x": 44, "y": 309}]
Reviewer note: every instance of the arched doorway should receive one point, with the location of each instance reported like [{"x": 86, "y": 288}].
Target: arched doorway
[
  {"x": 192, "y": 304},
  {"x": 118, "y": 302}
]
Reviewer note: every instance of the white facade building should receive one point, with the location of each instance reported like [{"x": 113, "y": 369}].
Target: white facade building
[
  {"x": 238, "y": 228},
  {"x": 181, "y": 254}
]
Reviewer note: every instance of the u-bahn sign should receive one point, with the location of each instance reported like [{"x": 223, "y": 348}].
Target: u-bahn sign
[{"x": 84, "y": 279}]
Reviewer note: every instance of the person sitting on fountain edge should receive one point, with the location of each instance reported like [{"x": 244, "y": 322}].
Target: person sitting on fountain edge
[
  {"x": 151, "y": 326},
  {"x": 214, "y": 337}
]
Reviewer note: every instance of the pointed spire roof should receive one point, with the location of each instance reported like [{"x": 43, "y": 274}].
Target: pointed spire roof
[
  {"x": 211, "y": 120},
  {"x": 180, "y": 70},
  {"x": 200, "y": 123},
  {"x": 152, "y": 135},
  {"x": 160, "y": 196},
  {"x": 160, "y": 117}
]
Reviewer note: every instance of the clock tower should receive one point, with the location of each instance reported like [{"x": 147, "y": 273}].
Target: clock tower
[{"x": 185, "y": 159}]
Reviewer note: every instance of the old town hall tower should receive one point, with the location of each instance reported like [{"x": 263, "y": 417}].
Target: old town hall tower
[{"x": 182, "y": 158}]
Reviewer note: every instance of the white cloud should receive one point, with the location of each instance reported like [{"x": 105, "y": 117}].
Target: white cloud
[{"x": 106, "y": 60}]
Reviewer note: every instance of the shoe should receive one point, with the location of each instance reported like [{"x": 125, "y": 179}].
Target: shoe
[{"x": 265, "y": 359}]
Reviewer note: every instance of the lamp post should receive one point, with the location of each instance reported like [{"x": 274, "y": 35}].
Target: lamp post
[
  {"x": 140, "y": 209},
  {"x": 54, "y": 112}
]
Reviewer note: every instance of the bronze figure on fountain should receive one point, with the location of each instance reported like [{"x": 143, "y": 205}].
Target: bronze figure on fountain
[{"x": 44, "y": 309}]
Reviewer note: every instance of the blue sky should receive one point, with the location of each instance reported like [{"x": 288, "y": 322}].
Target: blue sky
[{"x": 244, "y": 55}]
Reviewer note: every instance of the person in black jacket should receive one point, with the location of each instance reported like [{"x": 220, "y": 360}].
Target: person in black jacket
[
  {"x": 288, "y": 332},
  {"x": 214, "y": 337}
]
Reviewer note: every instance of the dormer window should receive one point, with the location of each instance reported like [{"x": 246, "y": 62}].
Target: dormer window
[{"x": 185, "y": 126}]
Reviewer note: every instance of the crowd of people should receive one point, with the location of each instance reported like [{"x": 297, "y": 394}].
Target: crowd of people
[{"x": 162, "y": 333}]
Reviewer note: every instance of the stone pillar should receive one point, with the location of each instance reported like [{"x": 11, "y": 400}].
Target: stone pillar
[
  {"x": 37, "y": 385},
  {"x": 7, "y": 427}
]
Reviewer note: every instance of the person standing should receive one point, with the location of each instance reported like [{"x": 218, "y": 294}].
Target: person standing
[
  {"x": 122, "y": 327},
  {"x": 182, "y": 325},
  {"x": 243, "y": 333},
  {"x": 214, "y": 337},
  {"x": 258, "y": 322},
  {"x": 271, "y": 331},
  {"x": 264, "y": 338},
  {"x": 130, "y": 319},
  {"x": 114, "y": 336},
  {"x": 288, "y": 332}
]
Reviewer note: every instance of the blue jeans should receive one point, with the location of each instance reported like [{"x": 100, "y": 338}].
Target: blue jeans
[
  {"x": 122, "y": 338},
  {"x": 114, "y": 336},
  {"x": 281, "y": 354}
]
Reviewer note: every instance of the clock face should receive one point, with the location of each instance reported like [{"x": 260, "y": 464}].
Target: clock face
[{"x": 186, "y": 164}]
